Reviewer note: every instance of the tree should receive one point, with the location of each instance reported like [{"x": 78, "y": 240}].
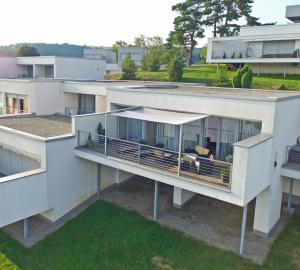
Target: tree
[
  {"x": 189, "y": 25},
  {"x": 140, "y": 41},
  {"x": 224, "y": 16},
  {"x": 116, "y": 47},
  {"x": 151, "y": 60},
  {"x": 27, "y": 50},
  {"x": 175, "y": 68},
  {"x": 129, "y": 69}
]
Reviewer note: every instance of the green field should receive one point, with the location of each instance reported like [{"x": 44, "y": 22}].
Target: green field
[
  {"x": 108, "y": 237},
  {"x": 208, "y": 74}
]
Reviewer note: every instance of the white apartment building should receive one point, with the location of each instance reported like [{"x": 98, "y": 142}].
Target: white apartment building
[
  {"x": 137, "y": 54},
  {"x": 271, "y": 49},
  {"x": 52, "y": 67},
  {"x": 228, "y": 144}
]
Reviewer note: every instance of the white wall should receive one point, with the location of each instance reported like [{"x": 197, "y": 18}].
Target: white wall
[
  {"x": 22, "y": 195},
  {"x": 9, "y": 68},
  {"x": 286, "y": 131},
  {"x": 44, "y": 96},
  {"x": 70, "y": 180},
  {"x": 79, "y": 68},
  {"x": 12, "y": 163}
]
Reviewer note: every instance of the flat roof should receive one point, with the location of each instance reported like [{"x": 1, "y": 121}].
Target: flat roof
[
  {"x": 43, "y": 126},
  {"x": 183, "y": 89}
]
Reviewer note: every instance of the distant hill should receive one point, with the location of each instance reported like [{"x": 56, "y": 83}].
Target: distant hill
[{"x": 45, "y": 49}]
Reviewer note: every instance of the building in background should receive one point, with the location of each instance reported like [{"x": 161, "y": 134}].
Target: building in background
[
  {"x": 101, "y": 54},
  {"x": 271, "y": 49},
  {"x": 137, "y": 54},
  {"x": 52, "y": 67}
]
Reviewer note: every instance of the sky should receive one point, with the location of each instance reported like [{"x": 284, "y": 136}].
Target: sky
[{"x": 102, "y": 22}]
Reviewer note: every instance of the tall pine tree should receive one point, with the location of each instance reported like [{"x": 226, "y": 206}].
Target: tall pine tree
[{"x": 189, "y": 24}]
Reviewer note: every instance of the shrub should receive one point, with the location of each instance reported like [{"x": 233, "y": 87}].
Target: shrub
[
  {"x": 282, "y": 87},
  {"x": 100, "y": 130},
  {"x": 222, "y": 78},
  {"x": 151, "y": 61},
  {"x": 247, "y": 79},
  {"x": 91, "y": 142},
  {"x": 129, "y": 69},
  {"x": 241, "y": 80},
  {"x": 236, "y": 80},
  {"x": 175, "y": 68}
]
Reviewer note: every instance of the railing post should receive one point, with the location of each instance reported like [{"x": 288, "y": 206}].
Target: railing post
[
  {"x": 105, "y": 143},
  {"x": 139, "y": 155},
  {"x": 179, "y": 149}
]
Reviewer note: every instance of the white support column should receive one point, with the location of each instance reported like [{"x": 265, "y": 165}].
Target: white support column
[
  {"x": 3, "y": 103},
  {"x": 98, "y": 179},
  {"x": 25, "y": 229},
  {"x": 179, "y": 148},
  {"x": 258, "y": 70},
  {"x": 181, "y": 197},
  {"x": 155, "y": 200},
  {"x": 290, "y": 194},
  {"x": 243, "y": 229},
  {"x": 284, "y": 71},
  {"x": 34, "y": 71}
]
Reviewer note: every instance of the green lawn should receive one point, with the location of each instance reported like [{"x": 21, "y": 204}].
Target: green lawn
[
  {"x": 107, "y": 237},
  {"x": 207, "y": 74}
]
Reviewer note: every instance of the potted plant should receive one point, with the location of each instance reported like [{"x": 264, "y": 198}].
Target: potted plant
[
  {"x": 90, "y": 142},
  {"x": 101, "y": 133},
  {"x": 225, "y": 174}
]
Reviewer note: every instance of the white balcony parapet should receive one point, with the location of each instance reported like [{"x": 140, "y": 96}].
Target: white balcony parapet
[{"x": 251, "y": 166}]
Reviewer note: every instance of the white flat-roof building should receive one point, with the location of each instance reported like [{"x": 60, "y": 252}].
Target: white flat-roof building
[
  {"x": 137, "y": 54},
  {"x": 101, "y": 54},
  {"x": 268, "y": 49},
  {"x": 52, "y": 67},
  {"x": 228, "y": 144}
]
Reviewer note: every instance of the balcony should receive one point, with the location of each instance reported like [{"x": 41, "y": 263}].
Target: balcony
[
  {"x": 191, "y": 146},
  {"x": 250, "y": 53}
]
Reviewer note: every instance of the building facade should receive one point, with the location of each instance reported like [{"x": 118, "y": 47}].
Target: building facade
[
  {"x": 271, "y": 49},
  {"x": 230, "y": 145}
]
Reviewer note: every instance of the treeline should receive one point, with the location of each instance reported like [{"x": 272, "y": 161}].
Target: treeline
[{"x": 45, "y": 49}]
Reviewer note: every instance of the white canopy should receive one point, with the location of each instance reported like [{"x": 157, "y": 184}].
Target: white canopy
[{"x": 160, "y": 116}]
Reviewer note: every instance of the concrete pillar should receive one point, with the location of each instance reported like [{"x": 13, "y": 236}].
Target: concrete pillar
[
  {"x": 290, "y": 194},
  {"x": 284, "y": 71},
  {"x": 181, "y": 197},
  {"x": 98, "y": 179},
  {"x": 243, "y": 229},
  {"x": 155, "y": 200},
  {"x": 268, "y": 209},
  {"x": 25, "y": 229},
  {"x": 34, "y": 71},
  {"x": 3, "y": 103}
]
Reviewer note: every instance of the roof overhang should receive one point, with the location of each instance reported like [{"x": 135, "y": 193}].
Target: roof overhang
[{"x": 160, "y": 116}]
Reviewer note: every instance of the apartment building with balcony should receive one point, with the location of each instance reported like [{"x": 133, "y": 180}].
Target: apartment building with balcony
[
  {"x": 230, "y": 145},
  {"x": 271, "y": 49}
]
